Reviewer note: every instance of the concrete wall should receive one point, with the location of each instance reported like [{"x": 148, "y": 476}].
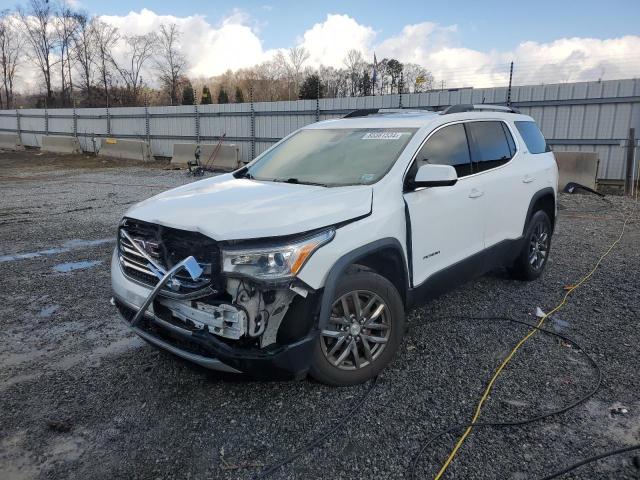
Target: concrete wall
[
  {"x": 129, "y": 149},
  {"x": 578, "y": 167},
  {"x": 10, "y": 141},
  {"x": 60, "y": 144},
  {"x": 585, "y": 117},
  {"x": 224, "y": 157}
]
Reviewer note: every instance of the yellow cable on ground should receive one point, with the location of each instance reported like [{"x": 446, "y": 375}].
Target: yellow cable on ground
[{"x": 508, "y": 358}]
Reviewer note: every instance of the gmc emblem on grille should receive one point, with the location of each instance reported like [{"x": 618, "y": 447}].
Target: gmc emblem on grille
[{"x": 152, "y": 248}]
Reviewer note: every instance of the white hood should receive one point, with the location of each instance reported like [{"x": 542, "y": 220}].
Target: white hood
[{"x": 226, "y": 208}]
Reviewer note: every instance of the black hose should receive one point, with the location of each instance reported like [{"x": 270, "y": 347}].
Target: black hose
[
  {"x": 516, "y": 423},
  {"x": 595, "y": 458}
]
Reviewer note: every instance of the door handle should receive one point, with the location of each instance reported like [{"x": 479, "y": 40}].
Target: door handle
[
  {"x": 528, "y": 179},
  {"x": 475, "y": 193}
]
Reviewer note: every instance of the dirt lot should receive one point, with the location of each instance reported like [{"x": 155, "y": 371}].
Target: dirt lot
[{"x": 81, "y": 397}]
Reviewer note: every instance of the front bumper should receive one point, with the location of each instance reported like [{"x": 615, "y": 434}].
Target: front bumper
[{"x": 289, "y": 361}]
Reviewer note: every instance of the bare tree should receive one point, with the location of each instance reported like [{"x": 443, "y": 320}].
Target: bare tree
[
  {"x": 140, "y": 48},
  {"x": 354, "y": 63},
  {"x": 84, "y": 52},
  {"x": 170, "y": 62},
  {"x": 40, "y": 33},
  {"x": 416, "y": 78},
  {"x": 11, "y": 45},
  {"x": 104, "y": 37},
  {"x": 66, "y": 24},
  {"x": 297, "y": 57}
]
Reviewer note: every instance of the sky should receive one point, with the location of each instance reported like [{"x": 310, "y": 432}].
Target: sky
[
  {"x": 485, "y": 25},
  {"x": 566, "y": 40}
]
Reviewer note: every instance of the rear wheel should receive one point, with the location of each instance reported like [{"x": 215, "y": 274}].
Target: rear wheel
[
  {"x": 363, "y": 332},
  {"x": 535, "y": 252}
]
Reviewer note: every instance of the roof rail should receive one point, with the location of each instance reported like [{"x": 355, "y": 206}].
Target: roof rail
[
  {"x": 465, "y": 107},
  {"x": 373, "y": 111},
  {"x": 363, "y": 112}
]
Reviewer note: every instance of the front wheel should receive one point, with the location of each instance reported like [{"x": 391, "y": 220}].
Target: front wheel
[
  {"x": 535, "y": 251},
  {"x": 363, "y": 333}
]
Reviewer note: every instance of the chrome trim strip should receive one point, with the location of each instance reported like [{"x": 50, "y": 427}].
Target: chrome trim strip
[
  {"x": 127, "y": 263},
  {"x": 160, "y": 268}
]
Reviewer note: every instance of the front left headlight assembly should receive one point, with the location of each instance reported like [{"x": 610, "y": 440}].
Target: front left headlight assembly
[{"x": 275, "y": 262}]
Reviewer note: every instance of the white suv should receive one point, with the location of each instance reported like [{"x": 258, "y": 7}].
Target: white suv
[{"x": 305, "y": 260}]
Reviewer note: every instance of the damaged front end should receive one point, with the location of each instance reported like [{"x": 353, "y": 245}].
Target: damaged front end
[{"x": 234, "y": 306}]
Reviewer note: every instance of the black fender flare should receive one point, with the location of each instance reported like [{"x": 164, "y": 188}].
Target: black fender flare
[
  {"x": 341, "y": 265},
  {"x": 537, "y": 196}
]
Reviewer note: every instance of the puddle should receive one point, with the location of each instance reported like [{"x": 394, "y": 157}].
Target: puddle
[
  {"x": 67, "y": 246},
  {"x": 71, "y": 266},
  {"x": 48, "y": 310}
]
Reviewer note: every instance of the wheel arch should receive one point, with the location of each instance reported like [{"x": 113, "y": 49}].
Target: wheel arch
[
  {"x": 544, "y": 200},
  {"x": 384, "y": 256}
]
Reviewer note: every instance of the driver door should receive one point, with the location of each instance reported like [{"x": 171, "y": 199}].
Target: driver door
[{"x": 447, "y": 223}]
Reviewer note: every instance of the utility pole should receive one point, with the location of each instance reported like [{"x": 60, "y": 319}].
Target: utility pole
[
  {"x": 631, "y": 146},
  {"x": 510, "y": 80},
  {"x": 253, "y": 124},
  {"x": 318, "y": 100}
]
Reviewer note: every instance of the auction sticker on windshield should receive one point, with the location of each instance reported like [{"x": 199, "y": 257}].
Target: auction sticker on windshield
[{"x": 382, "y": 135}]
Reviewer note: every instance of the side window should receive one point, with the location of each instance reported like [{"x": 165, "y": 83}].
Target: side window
[
  {"x": 490, "y": 146},
  {"x": 447, "y": 146},
  {"x": 532, "y": 137}
]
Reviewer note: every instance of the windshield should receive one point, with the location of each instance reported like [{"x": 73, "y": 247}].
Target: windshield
[{"x": 333, "y": 157}]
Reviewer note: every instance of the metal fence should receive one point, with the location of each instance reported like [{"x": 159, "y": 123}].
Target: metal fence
[{"x": 585, "y": 116}]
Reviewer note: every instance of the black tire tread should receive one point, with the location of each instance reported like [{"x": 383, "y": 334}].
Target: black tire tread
[
  {"x": 323, "y": 371},
  {"x": 521, "y": 268}
]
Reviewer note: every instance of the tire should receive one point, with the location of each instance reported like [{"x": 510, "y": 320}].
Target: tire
[
  {"x": 371, "y": 354},
  {"x": 534, "y": 255}
]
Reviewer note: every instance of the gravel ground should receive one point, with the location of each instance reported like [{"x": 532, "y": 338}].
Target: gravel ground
[{"x": 81, "y": 397}]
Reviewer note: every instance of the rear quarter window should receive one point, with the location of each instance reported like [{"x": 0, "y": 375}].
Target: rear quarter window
[{"x": 532, "y": 137}]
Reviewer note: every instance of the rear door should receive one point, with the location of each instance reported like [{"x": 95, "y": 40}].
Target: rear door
[
  {"x": 446, "y": 222},
  {"x": 502, "y": 168}
]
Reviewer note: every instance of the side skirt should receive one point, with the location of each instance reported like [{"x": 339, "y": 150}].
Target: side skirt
[{"x": 501, "y": 254}]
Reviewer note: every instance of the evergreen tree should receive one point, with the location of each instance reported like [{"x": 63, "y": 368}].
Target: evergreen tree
[
  {"x": 206, "y": 96},
  {"x": 222, "y": 96},
  {"x": 366, "y": 85},
  {"x": 309, "y": 88},
  {"x": 239, "y": 95},
  {"x": 188, "y": 97}
]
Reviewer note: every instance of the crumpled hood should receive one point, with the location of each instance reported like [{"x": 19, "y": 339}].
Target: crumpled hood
[{"x": 226, "y": 208}]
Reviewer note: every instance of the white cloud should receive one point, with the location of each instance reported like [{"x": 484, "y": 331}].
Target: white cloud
[
  {"x": 415, "y": 42},
  {"x": 235, "y": 42},
  {"x": 328, "y": 42},
  {"x": 210, "y": 50}
]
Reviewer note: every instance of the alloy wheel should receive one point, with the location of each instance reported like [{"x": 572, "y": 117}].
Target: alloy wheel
[
  {"x": 539, "y": 246},
  {"x": 357, "y": 331}
]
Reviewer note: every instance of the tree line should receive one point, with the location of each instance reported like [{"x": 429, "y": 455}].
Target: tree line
[{"x": 75, "y": 57}]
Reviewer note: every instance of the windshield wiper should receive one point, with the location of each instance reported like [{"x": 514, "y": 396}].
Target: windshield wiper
[{"x": 296, "y": 181}]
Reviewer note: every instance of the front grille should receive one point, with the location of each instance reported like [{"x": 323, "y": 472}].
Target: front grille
[{"x": 167, "y": 247}]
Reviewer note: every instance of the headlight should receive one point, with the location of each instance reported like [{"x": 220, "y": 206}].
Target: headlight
[{"x": 273, "y": 262}]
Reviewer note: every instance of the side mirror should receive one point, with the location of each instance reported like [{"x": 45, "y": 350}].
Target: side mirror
[{"x": 435, "y": 176}]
